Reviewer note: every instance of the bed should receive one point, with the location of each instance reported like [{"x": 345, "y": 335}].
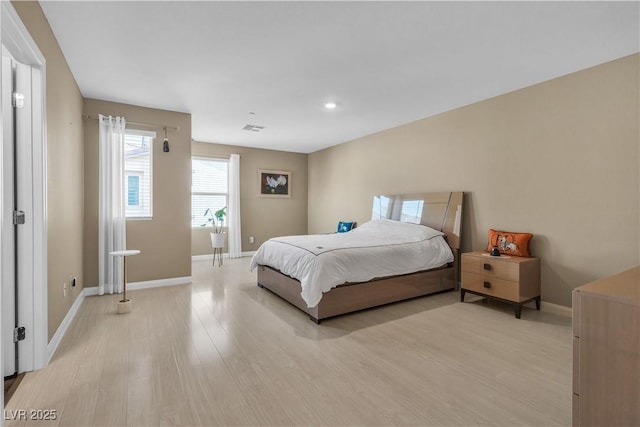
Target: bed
[{"x": 410, "y": 248}]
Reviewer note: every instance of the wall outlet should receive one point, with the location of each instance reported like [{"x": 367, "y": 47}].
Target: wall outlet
[
  {"x": 252, "y": 239},
  {"x": 74, "y": 281}
]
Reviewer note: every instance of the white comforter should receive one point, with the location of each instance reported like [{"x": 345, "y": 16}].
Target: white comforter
[{"x": 378, "y": 248}]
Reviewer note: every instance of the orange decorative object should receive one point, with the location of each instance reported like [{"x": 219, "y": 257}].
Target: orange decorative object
[{"x": 509, "y": 243}]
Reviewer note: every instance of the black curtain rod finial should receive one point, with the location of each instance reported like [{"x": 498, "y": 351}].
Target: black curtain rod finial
[{"x": 165, "y": 144}]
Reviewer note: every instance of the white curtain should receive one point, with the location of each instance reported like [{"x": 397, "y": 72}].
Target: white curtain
[
  {"x": 111, "y": 208},
  {"x": 235, "y": 233}
]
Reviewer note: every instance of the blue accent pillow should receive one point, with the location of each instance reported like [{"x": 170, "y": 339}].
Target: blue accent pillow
[{"x": 344, "y": 226}]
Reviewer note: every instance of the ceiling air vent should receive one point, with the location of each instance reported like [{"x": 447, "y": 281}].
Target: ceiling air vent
[{"x": 253, "y": 128}]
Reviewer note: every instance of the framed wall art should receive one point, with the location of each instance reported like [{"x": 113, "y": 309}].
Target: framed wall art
[{"x": 274, "y": 183}]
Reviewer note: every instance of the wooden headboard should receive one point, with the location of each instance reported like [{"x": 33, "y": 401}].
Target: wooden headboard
[{"x": 442, "y": 211}]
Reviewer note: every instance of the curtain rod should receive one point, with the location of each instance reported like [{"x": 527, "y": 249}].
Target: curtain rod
[{"x": 176, "y": 128}]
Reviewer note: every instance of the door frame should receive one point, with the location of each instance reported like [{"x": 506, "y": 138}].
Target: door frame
[{"x": 33, "y": 311}]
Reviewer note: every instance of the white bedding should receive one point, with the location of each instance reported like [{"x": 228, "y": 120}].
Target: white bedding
[{"x": 378, "y": 248}]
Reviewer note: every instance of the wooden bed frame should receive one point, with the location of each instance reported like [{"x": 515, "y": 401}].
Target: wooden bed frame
[{"x": 442, "y": 211}]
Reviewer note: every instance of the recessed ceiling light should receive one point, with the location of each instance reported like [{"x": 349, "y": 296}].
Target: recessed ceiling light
[{"x": 330, "y": 105}]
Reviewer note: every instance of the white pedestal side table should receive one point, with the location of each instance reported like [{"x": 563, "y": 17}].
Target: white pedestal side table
[{"x": 124, "y": 305}]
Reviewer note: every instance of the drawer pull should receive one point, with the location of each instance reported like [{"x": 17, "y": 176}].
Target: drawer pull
[
  {"x": 487, "y": 267},
  {"x": 486, "y": 285}
]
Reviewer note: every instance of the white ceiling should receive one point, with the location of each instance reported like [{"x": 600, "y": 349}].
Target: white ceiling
[{"x": 383, "y": 63}]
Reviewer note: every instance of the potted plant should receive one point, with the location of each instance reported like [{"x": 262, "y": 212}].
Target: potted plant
[{"x": 216, "y": 219}]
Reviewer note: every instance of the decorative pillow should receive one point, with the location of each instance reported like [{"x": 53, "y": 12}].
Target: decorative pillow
[
  {"x": 509, "y": 243},
  {"x": 344, "y": 226}
]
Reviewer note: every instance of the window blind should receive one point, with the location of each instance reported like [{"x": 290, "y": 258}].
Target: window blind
[{"x": 209, "y": 188}]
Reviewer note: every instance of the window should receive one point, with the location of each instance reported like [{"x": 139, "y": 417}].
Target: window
[
  {"x": 138, "y": 181},
  {"x": 209, "y": 187},
  {"x": 133, "y": 190}
]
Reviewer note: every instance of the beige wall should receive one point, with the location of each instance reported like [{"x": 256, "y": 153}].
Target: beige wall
[
  {"x": 64, "y": 167},
  {"x": 165, "y": 240},
  {"x": 558, "y": 159},
  {"x": 262, "y": 217}
]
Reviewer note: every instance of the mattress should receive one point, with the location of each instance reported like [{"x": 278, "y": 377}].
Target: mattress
[{"x": 378, "y": 248}]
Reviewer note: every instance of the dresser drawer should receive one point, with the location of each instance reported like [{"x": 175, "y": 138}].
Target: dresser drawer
[
  {"x": 575, "y": 403},
  {"x": 576, "y": 365},
  {"x": 499, "y": 288},
  {"x": 575, "y": 306},
  {"x": 486, "y": 266}
]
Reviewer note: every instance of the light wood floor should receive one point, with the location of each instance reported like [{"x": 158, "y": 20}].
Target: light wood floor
[{"x": 224, "y": 352}]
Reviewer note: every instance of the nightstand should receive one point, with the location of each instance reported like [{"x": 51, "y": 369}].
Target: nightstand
[{"x": 515, "y": 280}]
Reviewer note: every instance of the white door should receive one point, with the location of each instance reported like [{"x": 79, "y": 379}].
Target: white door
[
  {"x": 17, "y": 206},
  {"x": 8, "y": 229}
]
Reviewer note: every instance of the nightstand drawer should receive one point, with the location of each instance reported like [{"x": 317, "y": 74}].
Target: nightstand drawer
[
  {"x": 491, "y": 286},
  {"x": 489, "y": 267}
]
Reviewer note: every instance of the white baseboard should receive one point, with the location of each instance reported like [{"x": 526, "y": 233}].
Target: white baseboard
[
  {"x": 558, "y": 309},
  {"x": 159, "y": 283},
  {"x": 133, "y": 286},
  {"x": 209, "y": 257},
  {"x": 64, "y": 325},
  {"x": 90, "y": 291}
]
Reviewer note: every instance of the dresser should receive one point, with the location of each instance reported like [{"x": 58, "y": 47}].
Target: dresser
[
  {"x": 511, "y": 279},
  {"x": 606, "y": 351}
]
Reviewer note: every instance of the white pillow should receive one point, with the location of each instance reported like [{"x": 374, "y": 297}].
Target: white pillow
[{"x": 414, "y": 232}]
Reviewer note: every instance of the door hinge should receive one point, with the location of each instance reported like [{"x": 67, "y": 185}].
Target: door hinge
[
  {"x": 17, "y": 100},
  {"x": 18, "y": 217},
  {"x": 19, "y": 334}
]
